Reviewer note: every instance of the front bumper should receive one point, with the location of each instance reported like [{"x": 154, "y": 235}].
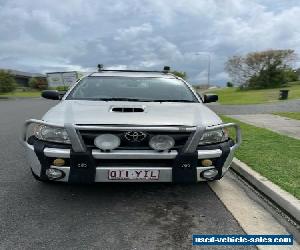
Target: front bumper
[{"x": 40, "y": 156}]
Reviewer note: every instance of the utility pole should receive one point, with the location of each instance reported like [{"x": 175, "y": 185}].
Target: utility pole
[{"x": 208, "y": 64}]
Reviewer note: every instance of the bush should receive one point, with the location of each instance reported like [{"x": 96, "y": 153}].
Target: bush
[
  {"x": 292, "y": 75},
  {"x": 38, "y": 83},
  {"x": 62, "y": 88},
  {"x": 229, "y": 84},
  {"x": 180, "y": 74},
  {"x": 272, "y": 78},
  {"x": 7, "y": 82},
  {"x": 33, "y": 83}
]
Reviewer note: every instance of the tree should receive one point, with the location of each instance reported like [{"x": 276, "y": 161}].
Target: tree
[
  {"x": 264, "y": 69},
  {"x": 7, "y": 82},
  {"x": 32, "y": 83},
  {"x": 181, "y": 74},
  {"x": 38, "y": 83}
]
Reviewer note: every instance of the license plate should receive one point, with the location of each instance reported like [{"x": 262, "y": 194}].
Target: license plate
[{"x": 133, "y": 174}]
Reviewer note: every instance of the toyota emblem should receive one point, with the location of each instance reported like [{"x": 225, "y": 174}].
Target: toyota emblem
[{"x": 135, "y": 136}]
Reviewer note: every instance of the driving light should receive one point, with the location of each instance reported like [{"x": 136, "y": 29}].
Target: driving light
[
  {"x": 210, "y": 174},
  {"x": 206, "y": 162},
  {"x": 161, "y": 142},
  {"x": 54, "y": 174},
  {"x": 59, "y": 162},
  {"x": 215, "y": 136},
  {"x": 107, "y": 142},
  {"x": 53, "y": 134}
]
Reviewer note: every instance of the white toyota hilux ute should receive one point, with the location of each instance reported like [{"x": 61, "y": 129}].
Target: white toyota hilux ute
[{"x": 130, "y": 126}]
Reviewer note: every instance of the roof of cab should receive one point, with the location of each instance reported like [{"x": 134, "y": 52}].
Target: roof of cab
[{"x": 132, "y": 73}]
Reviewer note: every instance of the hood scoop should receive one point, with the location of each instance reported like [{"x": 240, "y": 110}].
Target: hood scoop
[{"x": 128, "y": 109}]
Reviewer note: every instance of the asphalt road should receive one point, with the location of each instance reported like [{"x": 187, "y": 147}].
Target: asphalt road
[{"x": 35, "y": 215}]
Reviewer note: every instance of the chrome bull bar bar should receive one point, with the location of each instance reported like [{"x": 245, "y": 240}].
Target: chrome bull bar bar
[
  {"x": 190, "y": 146},
  {"x": 196, "y": 136}
]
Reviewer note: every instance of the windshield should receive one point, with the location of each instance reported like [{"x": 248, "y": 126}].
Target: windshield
[{"x": 132, "y": 89}]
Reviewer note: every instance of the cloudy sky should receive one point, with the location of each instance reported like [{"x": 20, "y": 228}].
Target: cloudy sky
[{"x": 51, "y": 35}]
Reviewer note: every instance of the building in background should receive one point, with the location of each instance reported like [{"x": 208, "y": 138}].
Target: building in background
[{"x": 66, "y": 79}]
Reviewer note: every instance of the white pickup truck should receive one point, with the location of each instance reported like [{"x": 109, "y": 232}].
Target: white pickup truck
[{"x": 129, "y": 126}]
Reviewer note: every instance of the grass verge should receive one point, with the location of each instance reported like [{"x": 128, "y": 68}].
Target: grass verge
[
  {"x": 272, "y": 155},
  {"x": 236, "y": 96},
  {"x": 292, "y": 115}
]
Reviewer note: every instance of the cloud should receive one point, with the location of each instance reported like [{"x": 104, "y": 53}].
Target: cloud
[
  {"x": 133, "y": 32},
  {"x": 77, "y": 34}
]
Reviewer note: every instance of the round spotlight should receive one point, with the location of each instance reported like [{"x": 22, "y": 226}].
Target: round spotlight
[
  {"x": 54, "y": 174},
  {"x": 107, "y": 141},
  {"x": 161, "y": 142},
  {"x": 210, "y": 174}
]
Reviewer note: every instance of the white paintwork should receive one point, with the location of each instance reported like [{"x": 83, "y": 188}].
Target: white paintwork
[
  {"x": 32, "y": 159},
  {"x": 159, "y": 114}
]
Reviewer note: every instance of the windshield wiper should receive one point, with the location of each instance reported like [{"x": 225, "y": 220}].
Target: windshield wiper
[
  {"x": 127, "y": 99},
  {"x": 122, "y": 99},
  {"x": 175, "y": 100}
]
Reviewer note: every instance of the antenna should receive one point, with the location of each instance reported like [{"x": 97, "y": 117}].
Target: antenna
[{"x": 100, "y": 67}]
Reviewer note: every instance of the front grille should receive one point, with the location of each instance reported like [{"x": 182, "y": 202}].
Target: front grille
[{"x": 88, "y": 137}]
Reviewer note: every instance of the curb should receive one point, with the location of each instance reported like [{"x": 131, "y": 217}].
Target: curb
[{"x": 282, "y": 198}]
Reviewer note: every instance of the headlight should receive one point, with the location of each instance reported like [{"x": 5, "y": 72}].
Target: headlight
[
  {"x": 53, "y": 134},
  {"x": 107, "y": 142},
  {"x": 161, "y": 142},
  {"x": 215, "y": 136}
]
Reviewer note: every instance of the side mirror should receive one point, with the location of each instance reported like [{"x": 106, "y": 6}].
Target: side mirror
[
  {"x": 210, "y": 98},
  {"x": 51, "y": 94}
]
